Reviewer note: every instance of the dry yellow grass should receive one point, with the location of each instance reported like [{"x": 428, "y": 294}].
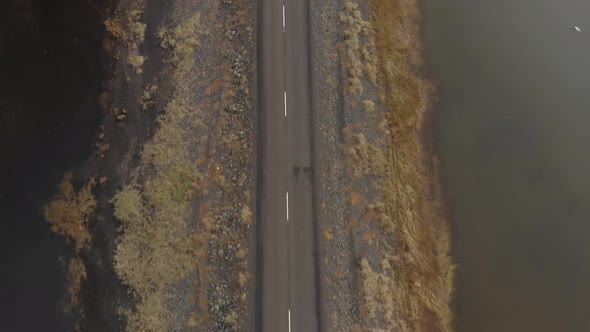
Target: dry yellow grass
[
  {"x": 424, "y": 270},
  {"x": 363, "y": 157},
  {"x": 358, "y": 59},
  {"x": 69, "y": 213},
  {"x": 369, "y": 105},
  {"x": 379, "y": 291},
  {"x": 136, "y": 61},
  {"x": 180, "y": 41}
]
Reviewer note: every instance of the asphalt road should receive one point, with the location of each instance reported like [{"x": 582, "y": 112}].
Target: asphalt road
[{"x": 287, "y": 293}]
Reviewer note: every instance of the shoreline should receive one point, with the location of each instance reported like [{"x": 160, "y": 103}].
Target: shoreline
[{"x": 424, "y": 239}]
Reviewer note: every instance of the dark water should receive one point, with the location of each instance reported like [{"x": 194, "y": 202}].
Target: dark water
[
  {"x": 513, "y": 132},
  {"x": 49, "y": 82}
]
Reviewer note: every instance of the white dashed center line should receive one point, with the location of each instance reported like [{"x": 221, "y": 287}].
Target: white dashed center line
[
  {"x": 285, "y": 102},
  {"x": 283, "y": 18},
  {"x": 289, "y": 320},
  {"x": 287, "y": 200}
]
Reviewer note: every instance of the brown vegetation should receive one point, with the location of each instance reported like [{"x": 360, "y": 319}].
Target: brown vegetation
[
  {"x": 115, "y": 28},
  {"x": 131, "y": 32},
  {"x": 157, "y": 247},
  {"x": 69, "y": 212}
]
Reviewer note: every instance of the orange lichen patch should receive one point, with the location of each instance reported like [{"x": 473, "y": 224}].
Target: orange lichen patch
[
  {"x": 355, "y": 198},
  {"x": 352, "y": 224},
  {"x": 213, "y": 87},
  {"x": 201, "y": 160},
  {"x": 370, "y": 215},
  {"x": 369, "y": 236},
  {"x": 205, "y": 207}
]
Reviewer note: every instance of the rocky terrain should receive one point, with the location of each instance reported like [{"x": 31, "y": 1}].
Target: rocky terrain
[{"x": 165, "y": 245}]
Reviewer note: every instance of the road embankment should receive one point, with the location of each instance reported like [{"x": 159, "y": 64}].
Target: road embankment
[{"x": 383, "y": 227}]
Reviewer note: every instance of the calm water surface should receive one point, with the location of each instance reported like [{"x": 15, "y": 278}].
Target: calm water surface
[
  {"x": 513, "y": 132},
  {"x": 49, "y": 84}
]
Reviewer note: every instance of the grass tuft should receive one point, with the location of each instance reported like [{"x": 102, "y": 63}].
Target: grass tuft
[
  {"x": 358, "y": 59},
  {"x": 369, "y": 105}
]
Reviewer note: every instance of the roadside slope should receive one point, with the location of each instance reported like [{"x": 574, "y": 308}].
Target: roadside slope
[{"x": 384, "y": 234}]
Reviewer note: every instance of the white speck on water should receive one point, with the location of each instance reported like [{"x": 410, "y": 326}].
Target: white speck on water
[{"x": 577, "y": 28}]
